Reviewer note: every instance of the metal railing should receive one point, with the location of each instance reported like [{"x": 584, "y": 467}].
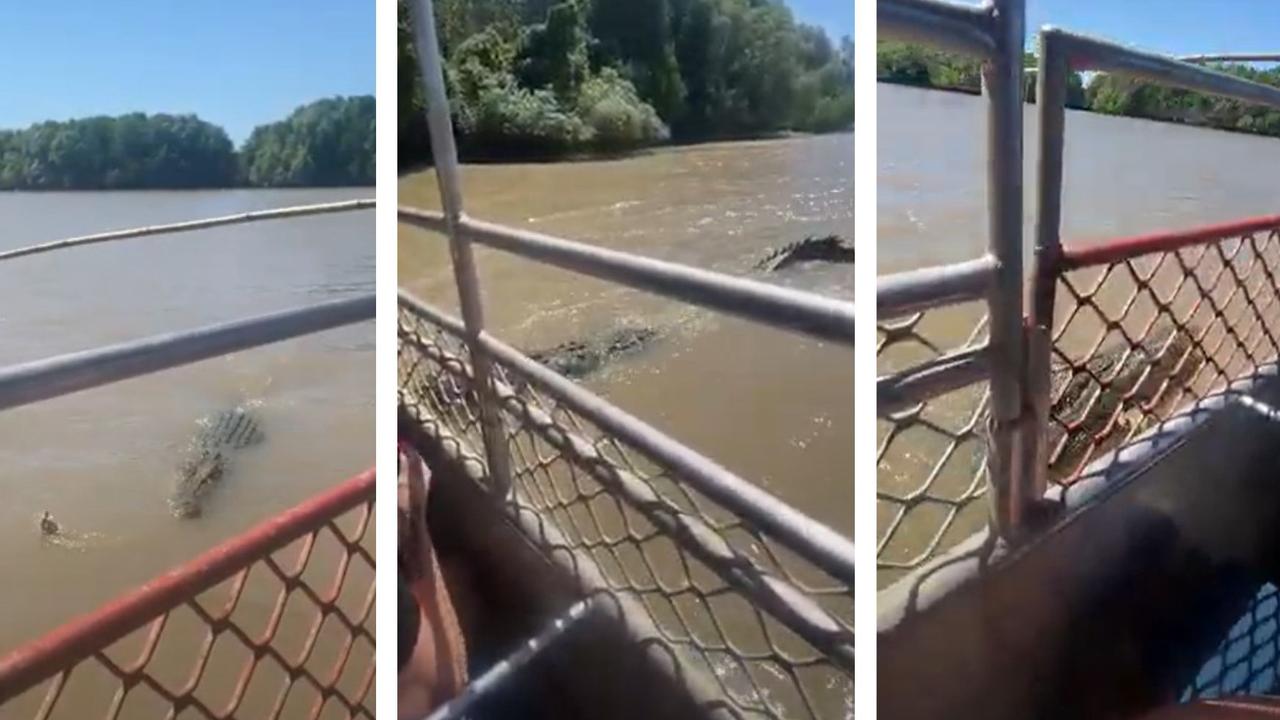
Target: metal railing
[
  {"x": 232, "y": 612},
  {"x": 1144, "y": 326},
  {"x": 53, "y": 377},
  {"x": 993, "y": 354},
  {"x": 1153, "y": 322},
  {"x": 758, "y": 595},
  {"x": 1213, "y": 275},
  {"x": 168, "y": 624}
]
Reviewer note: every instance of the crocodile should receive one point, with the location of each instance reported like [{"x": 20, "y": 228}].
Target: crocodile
[
  {"x": 827, "y": 248},
  {"x": 209, "y": 456},
  {"x": 576, "y": 359},
  {"x": 1138, "y": 383}
]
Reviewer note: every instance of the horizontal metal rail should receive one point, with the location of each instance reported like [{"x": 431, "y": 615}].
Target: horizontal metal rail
[
  {"x": 504, "y": 670},
  {"x": 189, "y": 226},
  {"x": 1061, "y": 52},
  {"x": 783, "y": 600},
  {"x": 1120, "y": 249},
  {"x": 995, "y": 33},
  {"x": 65, "y": 374},
  {"x": 915, "y": 291},
  {"x": 1232, "y": 57},
  {"x": 1089, "y": 53},
  {"x": 796, "y": 531},
  {"x": 629, "y": 610},
  {"x": 88, "y": 634},
  {"x": 941, "y": 375},
  {"x": 807, "y": 313},
  {"x": 966, "y": 29}
]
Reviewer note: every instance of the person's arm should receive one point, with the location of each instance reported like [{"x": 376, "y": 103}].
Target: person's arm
[{"x": 433, "y": 668}]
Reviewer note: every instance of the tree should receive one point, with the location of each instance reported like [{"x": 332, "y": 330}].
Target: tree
[
  {"x": 127, "y": 152},
  {"x": 637, "y": 35},
  {"x": 554, "y": 54},
  {"x": 325, "y": 143},
  {"x": 605, "y": 75}
]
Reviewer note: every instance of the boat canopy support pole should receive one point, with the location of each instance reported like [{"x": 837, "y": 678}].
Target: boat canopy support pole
[
  {"x": 1002, "y": 84},
  {"x": 444, "y": 156}
]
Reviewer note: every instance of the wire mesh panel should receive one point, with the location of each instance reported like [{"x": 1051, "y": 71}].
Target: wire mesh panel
[
  {"x": 722, "y": 594},
  {"x": 1143, "y": 328},
  {"x": 1246, "y": 660},
  {"x": 931, "y": 457},
  {"x": 276, "y": 623}
]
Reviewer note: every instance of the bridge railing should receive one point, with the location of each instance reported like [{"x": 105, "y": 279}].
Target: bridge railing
[
  {"x": 276, "y": 621},
  {"x": 731, "y": 583},
  {"x": 949, "y": 404}
]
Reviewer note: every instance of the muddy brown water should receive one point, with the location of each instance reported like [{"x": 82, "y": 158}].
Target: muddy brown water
[
  {"x": 1122, "y": 176},
  {"x": 774, "y": 407},
  {"x": 103, "y": 461}
]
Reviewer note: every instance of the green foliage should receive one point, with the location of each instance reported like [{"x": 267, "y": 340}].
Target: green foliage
[
  {"x": 636, "y": 35},
  {"x": 1112, "y": 95},
  {"x": 615, "y": 116},
  {"x": 330, "y": 142},
  {"x": 562, "y": 76},
  {"x": 326, "y": 143},
  {"x": 906, "y": 64},
  {"x": 1120, "y": 96},
  {"x": 412, "y": 135},
  {"x": 554, "y": 54},
  {"x": 126, "y": 152},
  {"x": 505, "y": 119}
]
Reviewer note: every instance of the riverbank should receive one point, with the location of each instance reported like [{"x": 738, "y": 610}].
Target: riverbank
[
  {"x": 587, "y": 157},
  {"x": 912, "y": 65},
  {"x": 326, "y": 143},
  {"x": 1030, "y": 100}
]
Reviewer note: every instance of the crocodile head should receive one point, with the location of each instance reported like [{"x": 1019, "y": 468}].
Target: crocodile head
[{"x": 195, "y": 478}]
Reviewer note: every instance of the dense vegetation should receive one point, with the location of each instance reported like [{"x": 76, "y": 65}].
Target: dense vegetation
[
  {"x": 909, "y": 64},
  {"x": 549, "y": 77},
  {"x": 1121, "y": 96},
  {"x": 329, "y": 142},
  {"x": 915, "y": 65}
]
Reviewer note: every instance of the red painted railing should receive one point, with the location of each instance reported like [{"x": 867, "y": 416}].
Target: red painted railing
[
  {"x": 1144, "y": 325},
  {"x": 340, "y": 518}
]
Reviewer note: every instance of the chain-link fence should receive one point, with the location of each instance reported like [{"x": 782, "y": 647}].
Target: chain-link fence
[
  {"x": 1143, "y": 327},
  {"x": 931, "y": 455},
  {"x": 275, "y": 623},
  {"x": 772, "y": 631},
  {"x": 1246, "y": 660}
]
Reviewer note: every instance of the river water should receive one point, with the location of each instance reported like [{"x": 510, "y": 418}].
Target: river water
[
  {"x": 774, "y": 407},
  {"x": 1122, "y": 176},
  {"x": 102, "y": 462}
]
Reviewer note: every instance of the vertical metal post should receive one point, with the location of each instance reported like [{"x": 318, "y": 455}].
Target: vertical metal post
[
  {"x": 1002, "y": 82},
  {"x": 445, "y": 158},
  {"x": 1051, "y": 101}
]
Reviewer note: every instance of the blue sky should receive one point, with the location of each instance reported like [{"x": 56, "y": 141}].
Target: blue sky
[
  {"x": 237, "y": 63},
  {"x": 1179, "y": 27},
  {"x": 835, "y": 16}
]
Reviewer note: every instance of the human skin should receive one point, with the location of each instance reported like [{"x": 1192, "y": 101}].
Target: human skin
[{"x": 436, "y": 671}]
